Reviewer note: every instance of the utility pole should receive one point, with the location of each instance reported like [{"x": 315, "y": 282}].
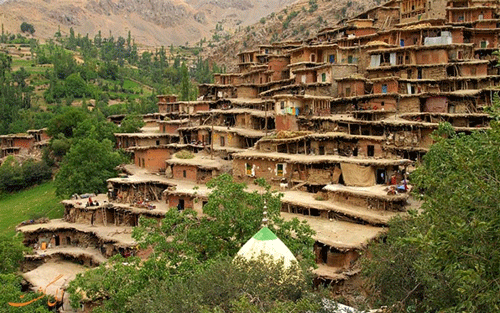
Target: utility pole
[
  {"x": 212, "y": 139},
  {"x": 265, "y": 116}
]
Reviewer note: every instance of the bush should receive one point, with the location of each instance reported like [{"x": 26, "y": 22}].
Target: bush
[
  {"x": 15, "y": 176},
  {"x": 184, "y": 154}
]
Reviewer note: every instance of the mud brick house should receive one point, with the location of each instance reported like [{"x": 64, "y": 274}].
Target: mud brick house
[
  {"x": 16, "y": 144},
  {"x": 197, "y": 169}
]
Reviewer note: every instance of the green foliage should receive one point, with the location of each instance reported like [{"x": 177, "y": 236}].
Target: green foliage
[
  {"x": 289, "y": 18},
  {"x": 242, "y": 286},
  {"x": 15, "y": 176},
  {"x": 132, "y": 123},
  {"x": 66, "y": 121},
  {"x": 11, "y": 250},
  {"x": 87, "y": 166},
  {"x": 313, "y": 5},
  {"x": 10, "y": 291},
  {"x": 14, "y": 97},
  {"x": 75, "y": 86},
  {"x": 446, "y": 258},
  {"x": 27, "y": 28}
]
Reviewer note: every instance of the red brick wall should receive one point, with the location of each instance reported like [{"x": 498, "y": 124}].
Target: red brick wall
[
  {"x": 154, "y": 159},
  {"x": 26, "y": 143},
  {"x": 246, "y": 92},
  {"x": 263, "y": 169},
  {"x": 178, "y": 172},
  {"x": 173, "y": 201},
  {"x": 486, "y": 25},
  {"x": 491, "y": 38},
  {"x": 474, "y": 70},
  {"x": 392, "y": 86},
  {"x": 376, "y": 104},
  {"x": 277, "y": 65},
  {"x": 432, "y": 56},
  {"x": 169, "y": 128},
  {"x": 310, "y": 77},
  {"x": 286, "y": 122},
  {"x": 436, "y": 105},
  {"x": 201, "y": 107},
  {"x": 457, "y": 36},
  {"x": 363, "y": 31},
  {"x": 363, "y": 148}
]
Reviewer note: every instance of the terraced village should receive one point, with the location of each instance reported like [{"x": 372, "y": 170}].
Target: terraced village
[{"x": 335, "y": 123}]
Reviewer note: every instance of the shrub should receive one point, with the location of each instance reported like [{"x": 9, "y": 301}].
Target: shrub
[{"x": 184, "y": 154}]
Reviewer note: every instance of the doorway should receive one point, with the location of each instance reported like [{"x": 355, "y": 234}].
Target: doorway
[
  {"x": 381, "y": 175},
  {"x": 180, "y": 206}
]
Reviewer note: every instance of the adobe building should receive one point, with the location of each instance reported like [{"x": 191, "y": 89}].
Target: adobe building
[{"x": 16, "y": 144}]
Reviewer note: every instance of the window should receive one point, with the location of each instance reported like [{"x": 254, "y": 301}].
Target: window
[
  {"x": 323, "y": 77},
  {"x": 384, "y": 88},
  {"x": 249, "y": 169},
  {"x": 348, "y": 92},
  {"x": 350, "y": 59},
  {"x": 331, "y": 58},
  {"x": 282, "y": 105},
  {"x": 157, "y": 142},
  {"x": 303, "y": 79},
  {"x": 143, "y": 163},
  {"x": 222, "y": 141},
  {"x": 184, "y": 174},
  {"x": 279, "y": 169},
  {"x": 371, "y": 151}
]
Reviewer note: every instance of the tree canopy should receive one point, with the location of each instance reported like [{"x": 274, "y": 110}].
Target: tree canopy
[
  {"x": 445, "y": 257},
  {"x": 87, "y": 166},
  {"x": 11, "y": 250}
]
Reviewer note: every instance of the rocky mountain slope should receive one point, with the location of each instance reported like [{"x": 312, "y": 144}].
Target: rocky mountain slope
[
  {"x": 298, "y": 21},
  {"x": 151, "y": 22}
]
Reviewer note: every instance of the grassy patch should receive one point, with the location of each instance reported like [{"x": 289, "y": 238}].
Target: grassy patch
[
  {"x": 32, "y": 203},
  {"x": 18, "y": 63}
]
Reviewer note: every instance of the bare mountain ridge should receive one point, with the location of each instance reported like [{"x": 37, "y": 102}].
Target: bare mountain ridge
[
  {"x": 151, "y": 22},
  {"x": 298, "y": 21}
]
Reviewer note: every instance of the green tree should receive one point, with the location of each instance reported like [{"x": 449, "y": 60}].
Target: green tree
[
  {"x": 75, "y": 86},
  {"x": 446, "y": 259},
  {"x": 259, "y": 285},
  {"x": 11, "y": 250},
  {"x": 66, "y": 121},
  {"x": 87, "y": 166},
  {"x": 27, "y": 28},
  {"x": 132, "y": 123}
]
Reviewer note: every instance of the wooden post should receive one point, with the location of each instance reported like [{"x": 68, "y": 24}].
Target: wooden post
[{"x": 212, "y": 139}]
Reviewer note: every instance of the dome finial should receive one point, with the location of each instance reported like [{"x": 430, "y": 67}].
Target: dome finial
[{"x": 264, "y": 218}]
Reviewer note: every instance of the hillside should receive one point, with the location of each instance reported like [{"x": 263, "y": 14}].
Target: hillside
[
  {"x": 298, "y": 21},
  {"x": 39, "y": 201},
  {"x": 151, "y": 22}
]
